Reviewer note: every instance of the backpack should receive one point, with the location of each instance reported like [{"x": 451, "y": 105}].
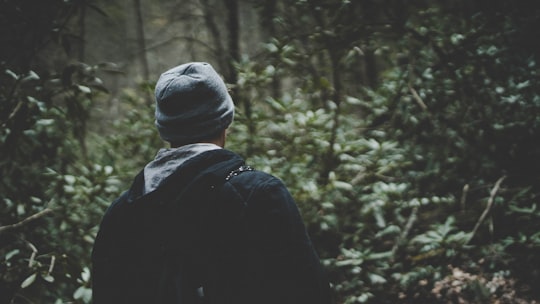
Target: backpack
[{"x": 151, "y": 248}]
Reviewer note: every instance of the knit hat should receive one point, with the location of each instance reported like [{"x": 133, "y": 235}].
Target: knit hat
[{"x": 192, "y": 103}]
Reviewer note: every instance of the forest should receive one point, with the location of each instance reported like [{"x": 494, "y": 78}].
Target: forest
[{"x": 408, "y": 132}]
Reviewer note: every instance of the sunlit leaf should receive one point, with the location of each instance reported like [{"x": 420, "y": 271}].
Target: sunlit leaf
[{"x": 29, "y": 280}]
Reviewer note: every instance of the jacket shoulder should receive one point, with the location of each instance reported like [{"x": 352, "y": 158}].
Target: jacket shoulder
[{"x": 248, "y": 183}]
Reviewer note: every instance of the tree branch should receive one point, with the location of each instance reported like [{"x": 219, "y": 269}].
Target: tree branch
[
  {"x": 405, "y": 232},
  {"x": 464, "y": 197},
  {"x": 13, "y": 113},
  {"x": 491, "y": 199},
  {"x": 418, "y": 99},
  {"x": 11, "y": 96},
  {"x": 26, "y": 221}
]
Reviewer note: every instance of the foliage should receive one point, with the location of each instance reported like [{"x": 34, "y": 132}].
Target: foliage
[
  {"x": 46, "y": 186},
  {"x": 132, "y": 140},
  {"x": 397, "y": 181},
  {"x": 406, "y": 133},
  {"x": 51, "y": 195}
]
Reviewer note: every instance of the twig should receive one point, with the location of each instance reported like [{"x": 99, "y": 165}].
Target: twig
[
  {"x": 13, "y": 113},
  {"x": 491, "y": 199},
  {"x": 27, "y": 220},
  {"x": 464, "y": 196},
  {"x": 418, "y": 99},
  {"x": 33, "y": 255},
  {"x": 51, "y": 266},
  {"x": 358, "y": 178},
  {"x": 406, "y": 230}
]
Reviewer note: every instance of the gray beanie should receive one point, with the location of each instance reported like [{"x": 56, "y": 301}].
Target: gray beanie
[{"x": 192, "y": 103}]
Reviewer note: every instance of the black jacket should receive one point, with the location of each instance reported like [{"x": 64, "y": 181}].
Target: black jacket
[{"x": 235, "y": 236}]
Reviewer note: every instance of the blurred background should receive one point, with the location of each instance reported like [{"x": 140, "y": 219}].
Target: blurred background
[{"x": 407, "y": 131}]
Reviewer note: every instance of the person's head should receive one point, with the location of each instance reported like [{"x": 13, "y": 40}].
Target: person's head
[{"x": 192, "y": 105}]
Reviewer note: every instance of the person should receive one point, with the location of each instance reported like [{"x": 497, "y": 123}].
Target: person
[{"x": 198, "y": 225}]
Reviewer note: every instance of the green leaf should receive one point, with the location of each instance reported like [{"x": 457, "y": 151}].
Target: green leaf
[
  {"x": 83, "y": 293},
  {"x": 12, "y": 253},
  {"x": 343, "y": 185},
  {"x": 376, "y": 279},
  {"x": 84, "y": 89},
  {"x": 31, "y": 76},
  {"x": 13, "y": 75},
  {"x": 28, "y": 281},
  {"x": 49, "y": 278},
  {"x": 70, "y": 179},
  {"x": 524, "y": 210}
]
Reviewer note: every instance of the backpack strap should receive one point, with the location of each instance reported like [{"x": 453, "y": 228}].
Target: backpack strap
[{"x": 235, "y": 172}]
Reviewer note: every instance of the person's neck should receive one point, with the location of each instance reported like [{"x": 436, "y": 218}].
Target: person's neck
[{"x": 218, "y": 141}]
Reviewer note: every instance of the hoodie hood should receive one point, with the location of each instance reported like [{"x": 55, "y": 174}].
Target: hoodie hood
[{"x": 168, "y": 160}]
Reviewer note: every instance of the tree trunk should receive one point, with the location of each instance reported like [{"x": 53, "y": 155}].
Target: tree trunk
[
  {"x": 267, "y": 15},
  {"x": 233, "y": 27},
  {"x": 82, "y": 32},
  {"x": 209, "y": 19},
  {"x": 141, "y": 42}
]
